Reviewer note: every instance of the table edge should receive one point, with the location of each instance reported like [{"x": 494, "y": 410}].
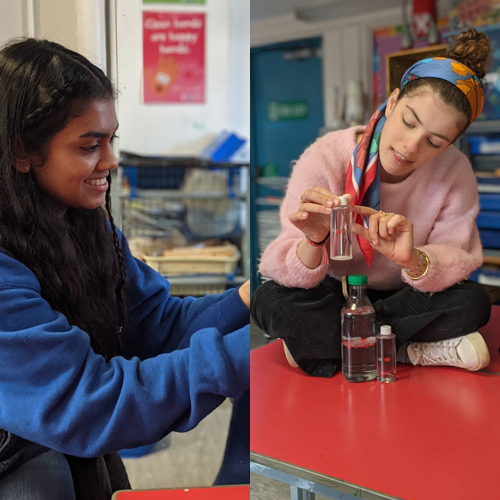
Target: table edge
[
  {"x": 319, "y": 478},
  {"x": 219, "y": 486}
]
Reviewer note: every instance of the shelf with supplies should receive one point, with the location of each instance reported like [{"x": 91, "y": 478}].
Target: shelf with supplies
[
  {"x": 481, "y": 143},
  {"x": 187, "y": 219},
  {"x": 484, "y": 127},
  {"x": 175, "y": 194},
  {"x": 266, "y": 207}
]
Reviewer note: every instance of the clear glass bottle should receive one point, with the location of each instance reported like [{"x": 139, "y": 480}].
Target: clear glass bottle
[
  {"x": 340, "y": 231},
  {"x": 358, "y": 332},
  {"x": 386, "y": 355}
]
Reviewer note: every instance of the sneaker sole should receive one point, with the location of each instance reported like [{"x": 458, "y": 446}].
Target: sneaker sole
[{"x": 479, "y": 344}]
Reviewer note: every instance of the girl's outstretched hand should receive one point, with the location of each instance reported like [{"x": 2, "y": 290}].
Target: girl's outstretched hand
[
  {"x": 390, "y": 234},
  {"x": 315, "y": 209},
  {"x": 244, "y": 293}
]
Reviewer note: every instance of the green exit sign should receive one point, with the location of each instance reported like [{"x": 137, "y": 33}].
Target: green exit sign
[{"x": 287, "y": 110}]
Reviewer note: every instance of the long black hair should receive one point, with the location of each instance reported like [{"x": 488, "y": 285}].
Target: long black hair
[{"x": 77, "y": 259}]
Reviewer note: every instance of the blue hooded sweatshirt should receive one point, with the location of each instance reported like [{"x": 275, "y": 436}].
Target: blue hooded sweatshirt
[{"x": 187, "y": 357}]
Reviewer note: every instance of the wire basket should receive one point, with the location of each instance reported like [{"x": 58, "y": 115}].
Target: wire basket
[
  {"x": 220, "y": 260},
  {"x": 200, "y": 203},
  {"x": 171, "y": 205}
]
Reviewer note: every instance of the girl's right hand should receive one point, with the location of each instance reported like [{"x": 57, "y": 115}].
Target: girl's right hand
[{"x": 313, "y": 215}]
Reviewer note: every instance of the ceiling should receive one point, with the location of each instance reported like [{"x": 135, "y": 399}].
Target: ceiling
[{"x": 263, "y": 9}]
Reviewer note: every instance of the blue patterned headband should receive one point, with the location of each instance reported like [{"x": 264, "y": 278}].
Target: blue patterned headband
[{"x": 453, "y": 72}]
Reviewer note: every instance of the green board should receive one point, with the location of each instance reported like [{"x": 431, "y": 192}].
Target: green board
[{"x": 287, "y": 110}]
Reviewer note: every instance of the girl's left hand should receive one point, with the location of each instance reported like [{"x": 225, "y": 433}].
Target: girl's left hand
[
  {"x": 390, "y": 234},
  {"x": 244, "y": 293}
]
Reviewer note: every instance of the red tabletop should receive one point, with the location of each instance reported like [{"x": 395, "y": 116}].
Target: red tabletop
[
  {"x": 213, "y": 493},
  {"x": 431, "y": 435}
]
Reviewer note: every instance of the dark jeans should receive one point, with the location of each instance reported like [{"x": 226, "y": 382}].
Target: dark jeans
[
  {"x": 45, "y": 477},
  {"x": 30, "y": 471},
  {"x": 308, "y": 320}
]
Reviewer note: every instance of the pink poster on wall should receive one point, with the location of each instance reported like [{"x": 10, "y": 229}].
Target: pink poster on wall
[{"x": 174, "y": 57}]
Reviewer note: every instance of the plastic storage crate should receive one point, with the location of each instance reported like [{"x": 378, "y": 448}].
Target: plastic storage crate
[
  {"x": 484, "y": 145},
  {"x": 490, "y": 201},
  {"x": 193, "y": 262}
]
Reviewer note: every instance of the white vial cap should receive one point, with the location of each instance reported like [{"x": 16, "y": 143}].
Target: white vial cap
[
  {"x": 385, "y": 330},
  {"x": 343, "y": 201}
]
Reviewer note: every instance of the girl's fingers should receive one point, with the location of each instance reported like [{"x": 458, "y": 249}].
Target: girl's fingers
[
  {"x": 349, "y": 198},
  {"x": 382, "y": 228},
  {"x": 361, "y": 231},
  {"x": 297, "y": 217},
  {"x": 373, "y": 227},
  {"x": 320, "y": 196},
  {"x": 366, "y": 211},
  {"x": 316, "y": 198},
  {"x": 397, "y": 222},
  {"x": 315, "y": 209},
  {"x": 328, "y": 194}
]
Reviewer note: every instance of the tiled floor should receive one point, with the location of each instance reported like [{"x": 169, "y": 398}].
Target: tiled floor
[
  {"x": 191, "y": 459},
  {"x": 263, "y": 488},
  {"x": 194, "y": 458}
]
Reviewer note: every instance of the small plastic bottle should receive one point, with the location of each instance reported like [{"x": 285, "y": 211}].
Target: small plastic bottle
[
  {"x": 340, "y": 231},
  {"x": 386, "y": 355},
  {"x": 358, "y": 333}
]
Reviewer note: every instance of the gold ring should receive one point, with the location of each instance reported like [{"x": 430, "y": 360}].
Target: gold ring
[{"x": 382, "y": 212}]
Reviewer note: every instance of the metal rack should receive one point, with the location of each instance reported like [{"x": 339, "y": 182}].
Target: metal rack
[{"x": 184, "y": 201}]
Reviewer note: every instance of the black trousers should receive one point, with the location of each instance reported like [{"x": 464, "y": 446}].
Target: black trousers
[{"x": 308, "y": 320}]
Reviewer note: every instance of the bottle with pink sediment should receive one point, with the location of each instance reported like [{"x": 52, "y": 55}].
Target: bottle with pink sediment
[
  {"x": 386, "y": 355},
  {"x": 341, "y": 231},
  {"x": 359, "y": 361}
]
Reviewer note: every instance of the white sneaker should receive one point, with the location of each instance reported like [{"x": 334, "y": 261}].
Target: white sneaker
[{"x": 469, "y": 352}]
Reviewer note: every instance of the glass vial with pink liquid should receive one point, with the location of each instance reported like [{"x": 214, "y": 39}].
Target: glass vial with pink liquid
[
  {"x": 386, "y": 355},
  {"x": 358, "y": 332},
  {"x": 341, "y": 231}
]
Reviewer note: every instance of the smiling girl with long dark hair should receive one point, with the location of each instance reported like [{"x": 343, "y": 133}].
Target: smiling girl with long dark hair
[{"x": 95, "y": 355}]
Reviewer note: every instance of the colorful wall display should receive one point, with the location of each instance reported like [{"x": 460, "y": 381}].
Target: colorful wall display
[
  {"x": 386, "y": 41},
  {"x": 174, "y": 57},
  {"x": 465, "y": 13}
]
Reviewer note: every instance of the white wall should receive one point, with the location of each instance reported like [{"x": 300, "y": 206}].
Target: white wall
[
  {"x": 79, "y": 25},
  {"x": 184, "y": 129},
  {"x": 56, "y": 21},
  {"x": 150, "y": 129},
  {"x": 12, "y": 20},
  {"x": 239, "y": 68}
]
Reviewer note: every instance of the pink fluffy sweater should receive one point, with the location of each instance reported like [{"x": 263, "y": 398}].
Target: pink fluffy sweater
[{"x": 440, "y": 198}]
